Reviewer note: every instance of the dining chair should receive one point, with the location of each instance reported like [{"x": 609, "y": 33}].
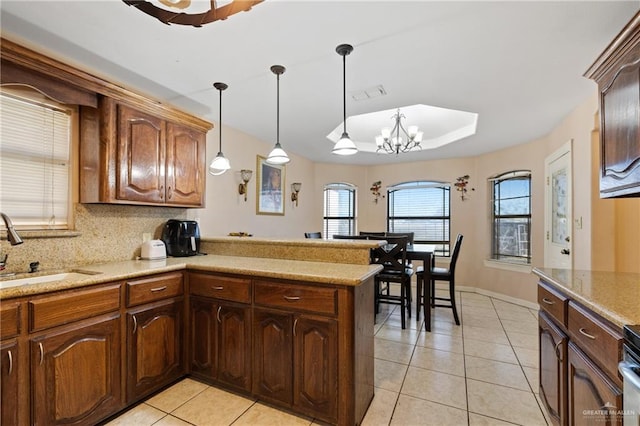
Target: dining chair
[
  {"x": 440, "y": 274},
  {"x": 372, "y": 234},
  {"x": 313, "y": 234},
  {"x": 409, "y": 235},
  {"x": 349, "y": 237},
  {"x": 393, "y": 257}
]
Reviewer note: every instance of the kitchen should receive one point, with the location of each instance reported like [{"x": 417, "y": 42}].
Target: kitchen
[{"x": 112, "y": 232}]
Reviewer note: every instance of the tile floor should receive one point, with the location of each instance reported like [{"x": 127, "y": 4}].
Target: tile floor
[{"x": 484, "y": 372}]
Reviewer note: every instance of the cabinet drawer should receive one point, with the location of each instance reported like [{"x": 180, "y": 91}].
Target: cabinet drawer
[
  {"x": 290, "y": 296},
  {"x": 227, "y": 288},
  {"x": 72, "y": 306},
  {"x": 9, "y": 320},
  {"x": 154, "y": 288},
  {"x": 596, "y": 338},
  {"x": 554, "y": 302}
]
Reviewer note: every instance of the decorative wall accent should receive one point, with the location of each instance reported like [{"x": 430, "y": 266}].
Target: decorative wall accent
[{"x": 375, "y": 190}]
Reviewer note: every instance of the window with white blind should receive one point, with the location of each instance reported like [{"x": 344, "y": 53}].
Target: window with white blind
[
  {"x": 35, "y": 139},
  {"x": 339, "y": 209},
  {"x": 421, "y": 207},
  {"x": 511, "y": 216}
]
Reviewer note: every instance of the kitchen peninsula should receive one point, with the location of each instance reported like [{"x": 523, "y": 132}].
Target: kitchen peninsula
[{"x": 296, "y": 333}]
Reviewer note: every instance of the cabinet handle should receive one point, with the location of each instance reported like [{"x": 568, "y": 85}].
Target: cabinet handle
[
  {"x": 295, "y": 324},
  {"x": 218, "y": 314},
  {"x": 135, "y": 324},
  {"x": 169, "y": 192},
  {"x": 217, "y": 287},
  {"x": 548, "y": 302},
  {"x": 41, "y": 352},
  {"x": 161, "y": 192},
  {"x": 584, "y": 333},
  {"x": 291, "y": 298},
  {"x": 10, "y": 361},
  {"x": 157, "y": 289},
  {"x": 555, "y": 349}
]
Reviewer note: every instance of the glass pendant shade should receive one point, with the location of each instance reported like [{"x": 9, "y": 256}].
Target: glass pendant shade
[
  {"x": 345, "y": 146},
  {"x": 219, "y": 165},
  {"x": 277, "y": 155}
]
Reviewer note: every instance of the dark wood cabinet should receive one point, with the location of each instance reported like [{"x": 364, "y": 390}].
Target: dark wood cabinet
[
  {"x": 9, "y": 387},
  {"x": 617, "y": 72},
  {"x": 75, "y": 373},
  {"x": 154, "y": 346},
  {"x": 553, "y": 369},
  {"x": 594, "y": 397}
]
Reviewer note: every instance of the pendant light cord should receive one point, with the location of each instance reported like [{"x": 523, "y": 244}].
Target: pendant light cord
[
  {"x": 220, "y": 124},
  {"x": 344, "y": 93},
  {"x": 278, "y": 109}
]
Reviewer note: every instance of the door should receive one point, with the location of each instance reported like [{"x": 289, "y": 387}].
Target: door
[
  {"x": 185, "y": 165},
  {"x": 234, "y": 344},
  {"x": 203, "y": 340},
  {"x": 553, "y": 369},
  {"x": 75, "y": 374},
  {"x": 9, "y": 382},
  {"x": 558, "y": 213}
]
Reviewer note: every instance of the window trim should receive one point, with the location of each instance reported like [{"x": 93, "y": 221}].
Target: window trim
[{"x": 344, "y": 186}]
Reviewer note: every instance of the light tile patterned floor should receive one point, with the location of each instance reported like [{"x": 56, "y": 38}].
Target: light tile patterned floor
[{"x": 483, "y": 372}]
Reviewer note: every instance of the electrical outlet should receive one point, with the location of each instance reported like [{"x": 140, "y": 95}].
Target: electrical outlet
[
  {"x": 578, "y": 222},
  {"x": 146, "y": 236}
]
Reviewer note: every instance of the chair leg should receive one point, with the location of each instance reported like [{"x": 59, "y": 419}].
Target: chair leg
[
  {"x": 408, "y": 295},
  {"x": 403, "y": 298},
  {"x": 433, "y": 293},
  {"x": 452, "y": 292},
  {"x": 426, "y": 306},
  {"x": 419, "y": 300}
]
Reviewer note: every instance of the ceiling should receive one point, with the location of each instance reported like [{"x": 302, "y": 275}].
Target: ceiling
[{"x": 518, "y": 65}]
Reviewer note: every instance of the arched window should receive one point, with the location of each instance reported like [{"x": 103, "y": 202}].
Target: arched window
[
  {"x": 339, "y": 209},
  {"x": 511, "y": 216},
  {"x": 421, "y": 207}
]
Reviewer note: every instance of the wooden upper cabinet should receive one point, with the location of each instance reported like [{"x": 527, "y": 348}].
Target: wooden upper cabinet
[
  {"x": 617, "y": 72},
  {"x": 185, "y": 165}
]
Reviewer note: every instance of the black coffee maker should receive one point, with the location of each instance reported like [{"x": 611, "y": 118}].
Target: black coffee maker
[{"x": 181, "y": 237}]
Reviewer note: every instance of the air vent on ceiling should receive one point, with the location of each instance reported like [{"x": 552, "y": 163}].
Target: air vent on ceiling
[{"x": 369, "y": 93}]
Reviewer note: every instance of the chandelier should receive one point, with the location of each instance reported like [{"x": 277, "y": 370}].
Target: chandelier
[{"x": 398, "y": 139}]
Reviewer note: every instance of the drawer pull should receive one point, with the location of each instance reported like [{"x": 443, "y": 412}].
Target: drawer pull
[
  {"x": 217, "y": 287},
  {"x": 135, "y": 324},
  {"x": 218, "y": 314},
  {"x": 548, "y": 302},
  {"x": 157, "y": 289},
  {"x": 291, "y": 298},
  {"x": 41, "y": 352},
  {"x": 584, "y": 333},
  {"x": 10, "y": 362}
]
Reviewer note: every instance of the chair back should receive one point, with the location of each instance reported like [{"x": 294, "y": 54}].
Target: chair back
[
  {"x": 454, "y": 255},
  {"x": 349, "y": 237},
  {"x": 392, "y": 256},
  {"x": 409, "y": 235},
  {"x": 372, "y": 234},
  {"x": 313, "y": 235}
]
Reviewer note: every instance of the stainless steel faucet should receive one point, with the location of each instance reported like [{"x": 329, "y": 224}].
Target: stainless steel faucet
[{"x": 12, "y": 235}]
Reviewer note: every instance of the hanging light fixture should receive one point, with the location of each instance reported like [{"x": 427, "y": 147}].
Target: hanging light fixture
[
  {"x": 345, "y": 145},
  {"x": 392, "y": 141},
  {"x": 277, "y": 154},
  {"x": 220, "y": 164}
]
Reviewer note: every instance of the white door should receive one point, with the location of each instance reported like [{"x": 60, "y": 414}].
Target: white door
[{"x": 558, "y": 217}]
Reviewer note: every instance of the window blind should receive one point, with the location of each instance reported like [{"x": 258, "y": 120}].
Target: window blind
[
  {"x": 339, "y": 209},
  {"x": 34, "y": 162}
]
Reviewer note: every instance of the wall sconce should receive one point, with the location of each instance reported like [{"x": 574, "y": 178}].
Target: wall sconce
[
  {"x": 295, "y": 188},
  {"x": 246, "y": 177}
]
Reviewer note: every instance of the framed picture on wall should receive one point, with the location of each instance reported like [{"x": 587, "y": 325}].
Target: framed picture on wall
[{"x": 270, "y": 188}]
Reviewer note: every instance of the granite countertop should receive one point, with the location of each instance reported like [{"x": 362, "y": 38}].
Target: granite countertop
[
  {"x": 613, "y": 295},
  {"x": 314, "y": 272}
]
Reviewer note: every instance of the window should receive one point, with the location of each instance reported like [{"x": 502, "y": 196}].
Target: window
[
  {"x": 422, "y": 208},
  {"x": 511, "y": 217},
  {"x": 34, "y": 161},
  {"x": 339, "y": 209}
]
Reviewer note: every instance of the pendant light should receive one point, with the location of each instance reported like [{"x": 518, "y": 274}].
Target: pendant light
[
  {"x": 277, "y": 154},
  {"x": 220, "y": 164},
  {"x": 345, "y": 145}
]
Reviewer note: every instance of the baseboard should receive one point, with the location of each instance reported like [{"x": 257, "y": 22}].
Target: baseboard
[{"x": 499, "y": 296}]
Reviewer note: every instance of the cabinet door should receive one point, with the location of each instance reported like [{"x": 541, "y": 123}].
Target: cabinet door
[
  {"x": 9, "y": 383},
  {"x": 234, "y": 345},
  {"x": 203, "y": 341},
  {"x": 154, "y": 346},
  {"x": 140, "y": 170},
  {"x": 315, "y": 386},
  {"x": 593, "y": 397},
  {"x": 185, "y": 165},
  {"x": 553, "y": 369},
  {"x": 76, "y": 373},
  {"x": 272, "y": 356}
]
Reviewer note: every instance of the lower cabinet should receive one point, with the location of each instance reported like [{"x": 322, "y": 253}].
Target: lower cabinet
[
  {"x": 154, "y": 346},
  {"x": 553, "y": 369},
  {"x": 9, "y": 366},
  {"x": 221, "y": 341},
  {"x": 75, "y": 373},
  {"x": 295, "y": 361},
  {"x": 594, "y": 398}
]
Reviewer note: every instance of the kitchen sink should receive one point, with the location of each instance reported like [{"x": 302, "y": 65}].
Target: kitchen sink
[{"x": 62, "y": 276}]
